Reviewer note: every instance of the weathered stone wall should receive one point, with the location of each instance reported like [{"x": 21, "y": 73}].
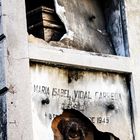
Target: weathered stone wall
[
  {"x": 85, "y": 25},
  {"x": 16, "y": 69},
  {"x": 133, "y": 22},
  {"x": 102, "y": 97},
  {"x": 3, "y": 107},
  {"x": 131, "y": 97},
  {"x": 94, "y": 25},
  {"x": 17, "y": 77}
]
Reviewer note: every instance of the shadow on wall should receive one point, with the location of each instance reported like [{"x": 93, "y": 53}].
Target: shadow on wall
[{"x": 73, "y": 125}]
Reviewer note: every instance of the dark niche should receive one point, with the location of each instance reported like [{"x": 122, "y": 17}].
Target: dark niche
[
  {"x": 95, "y": 26},
  {"x": 73, "y": 125}
]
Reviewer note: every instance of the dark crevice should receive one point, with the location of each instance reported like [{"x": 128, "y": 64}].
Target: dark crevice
[
  {"x": 124, "y": 28},
  {"x": 3, "y": 91},
  {"x": 3, "y": 114},
  {"x": 2, "y": 37}
]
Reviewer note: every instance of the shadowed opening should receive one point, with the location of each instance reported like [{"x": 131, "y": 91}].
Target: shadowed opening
[{"x": 73, "y": 125}]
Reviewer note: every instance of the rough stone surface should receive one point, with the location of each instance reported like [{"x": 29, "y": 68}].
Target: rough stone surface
[
  {"x": 114, "y": 22},
  {"x": 19, "y": 123},
  {"x": 133, "y": 22},
  {"x": 85, "y": 25},
  {"x": 101, "y": 97},
  {"x": 19, "y": 119}
]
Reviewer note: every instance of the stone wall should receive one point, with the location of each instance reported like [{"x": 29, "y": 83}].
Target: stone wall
[{"x": 16, "y": 52}]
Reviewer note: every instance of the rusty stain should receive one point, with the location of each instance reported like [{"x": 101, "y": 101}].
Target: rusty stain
[{"x": 2, "y": 37}]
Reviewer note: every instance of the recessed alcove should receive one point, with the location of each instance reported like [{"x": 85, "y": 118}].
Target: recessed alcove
[
  {"x": 95, "y": 26},
  {"x": 73, "y": 125}
]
